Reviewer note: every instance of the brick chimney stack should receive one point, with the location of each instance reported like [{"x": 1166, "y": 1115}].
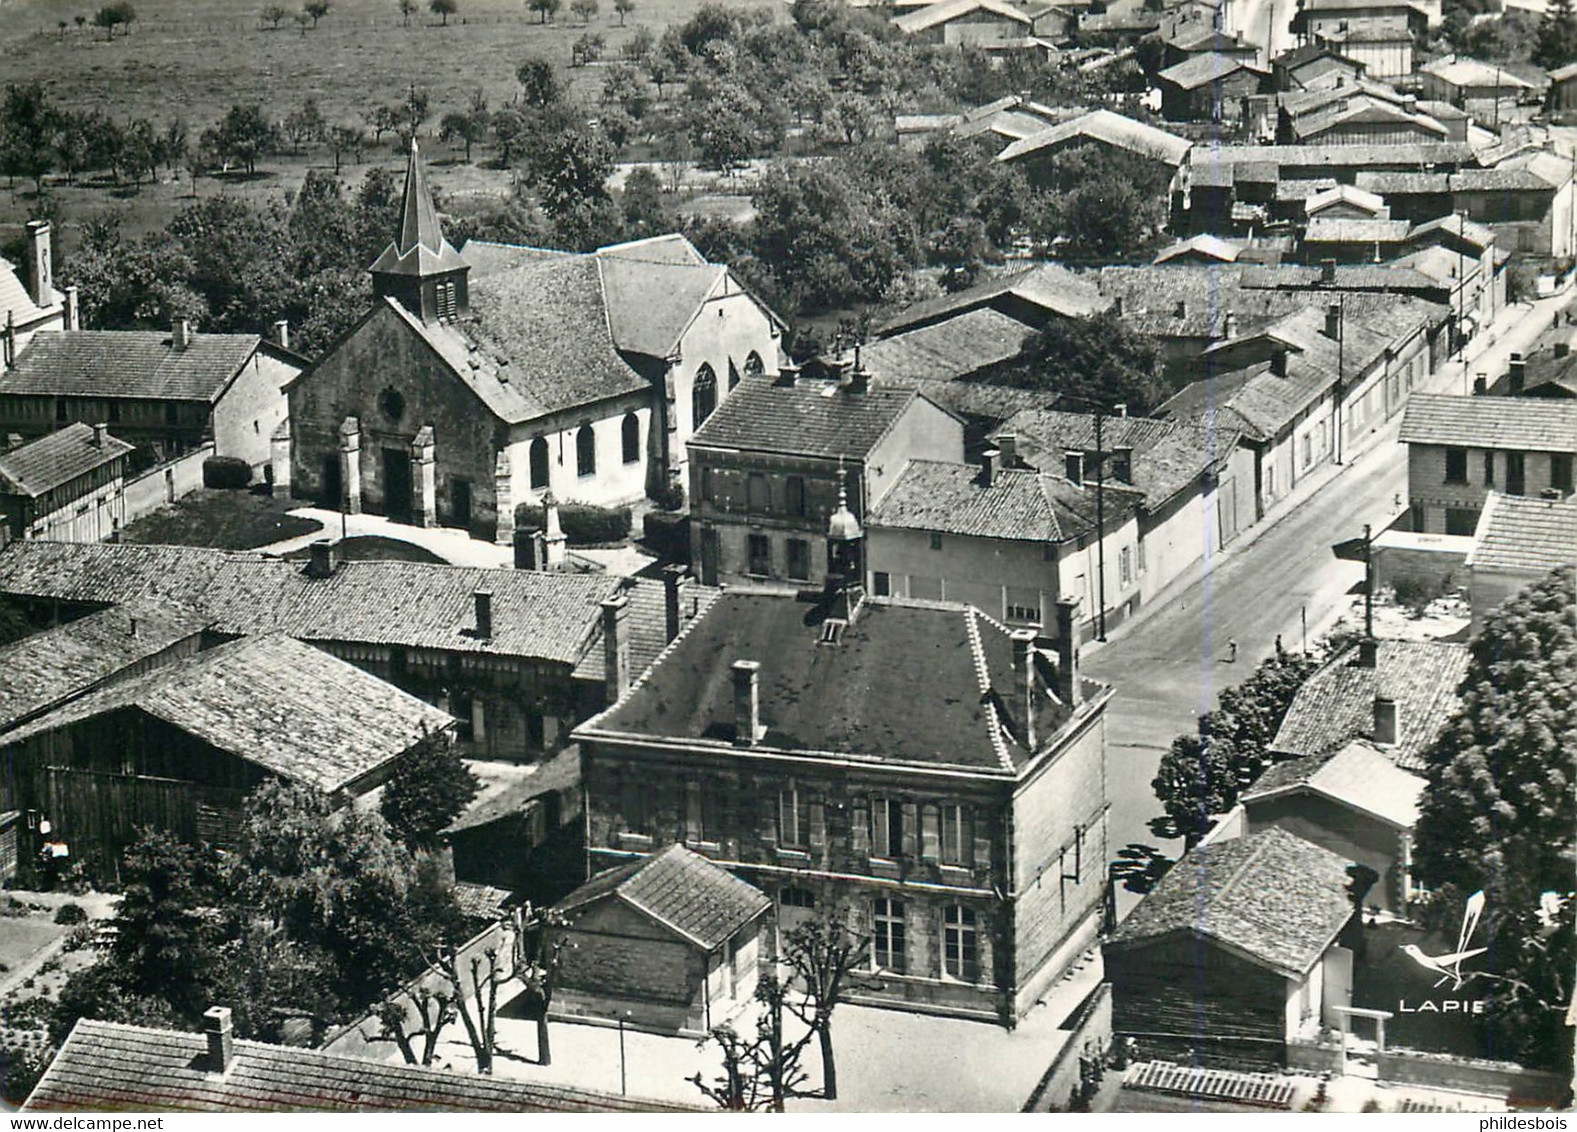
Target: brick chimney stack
[
  {"x": 483, "y": 600},
  {"x": 673, "y": 598},
  {"x": 747, "y": 703},
  {"x": 616, "y": 647},
  {"x": 220, "y": 1032},
  {"x": 1067, "y": 653}
]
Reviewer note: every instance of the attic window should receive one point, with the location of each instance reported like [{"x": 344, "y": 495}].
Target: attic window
[{"x": 832, "y": 630}]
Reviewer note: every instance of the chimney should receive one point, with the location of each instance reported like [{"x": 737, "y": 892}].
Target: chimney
[
  {"x": 1181, "y": 310},
  {"x": 859, "y": 376},
  {"x": 1073, "y": 467},
  {"x": 484, "y": 613},
  {"x": 1516, "y": 374},
  {"x": 1122, "y": 464},
  {"x": 181, "y": 334},
  {"x": 747, "y": 703},
  {"x": 221, "y": 1038},
  {"x": 1120, "y": 409},
  {"x": 73, "y": 312},
  {"x": 8, "y": 338},
  {"x": 1333, "y": 321},
  {"x": 1368, "y": 652},
  {"x": 13, "y": 441},
  {"x": 100, "y": 431},
  {"x": 1229, "y": 325},
  {"x": 616, "y": 647},
  {"x": 1067, "y": 654},
  {"x": 673, "y": 596},
  {"x": 1007, "y": 444},
  {"x": 1328, "y": 272},
  {"x": 1278, "y": 361},
  {"x": 788, "y": 374},
  {"x": 324, "y": 558},
  {"x": 282, "y": 334},
  {"x": 990, "y": 466},
  {"x": 1562, "y": 349},
  {"x": 1480, "y": 385},
  {"x": 41, "y": 280},
  {"x": 1024, "y": 681},
  {"x": 1384, "y": 720}
]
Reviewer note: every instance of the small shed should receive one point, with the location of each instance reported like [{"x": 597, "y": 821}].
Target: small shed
[{"x": 668, "y": 942}]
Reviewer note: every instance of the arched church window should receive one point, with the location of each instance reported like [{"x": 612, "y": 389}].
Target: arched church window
[{"x": 704, "y": 396}]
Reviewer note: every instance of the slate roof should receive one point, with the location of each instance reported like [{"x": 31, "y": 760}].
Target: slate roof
[
  {"x": 1048, "y": 286},
  {"x": 1271, "y": 897},
  {"x": 652, "y": 303},
  {"x": 1530, "y": 424},
  {"x": 48, "y": 668},
  {"x": 1330, "y": 229},
  {"x": 682, "y": 890},
  {"x": 856, "y": 700},
  {"x": 1523, "y": 534},
  {"x": 1359, "y": 776},
  {"x": 1336, "y": 704},
  {"x": 293, "y": 710},
  {"x": 942, "y": 351},
  {"x": 932, "y": 495},
  {"x": 1197, "y": 70},
  {"x": 980, "y": 399},
  {"x": 1108, "y": 127},
  {"x": 546, "y": 617},
  {"x": 804, "y": 419},
  {"x": 56, "y": 459},
  {"x": 420, "y": 247},
  {"x": 113, "y": 1067},
  {"x": 646, "y": 620},
  {"x": 128, "y": 363}
]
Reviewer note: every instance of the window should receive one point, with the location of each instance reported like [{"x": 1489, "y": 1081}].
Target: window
[
  {"x": 753, "y": 364},
  {"x": 958, "y": 843},
  {"x": 886, "y": 828},
  {"x": 796, "y": 898},
  {"x": 1073, "y": 466},
  {"x": 794, "y": 495},
  {"x": 758, "y": 496},
  {"x": 445, "y": 295},
  {"x": 1125, "y": 565},
  {"x": 1489, "y": 469},
  {"x": 733, "y": 373},
  {"x": 1460, "y": 521},
  {"x": 585, "y": 451},
  {"x": 703, "y": 396},
  {"x": 793, "y": 817},
  {"x": 960, "y": 948},
  {"x": 799, "y": 560},
  {"x": 1561, "y": 472},
  {"x": 936, "y": 540},
  {"x": 882, "y": 583},
  {"x": 630, "y": 438},
  {"x": 60, "y": 409},
  {"x": 1456, "y": 465},
  {"x": 760, "y": 548},
  {"x": 703, "y": 816},
  {"x": 1140, "y": 545},
  {"x": 633, "y": 807},
  {"x": 706, "y": 484},
  {"x": 1308, "y": 449},
  {"x": 887, "y": 943},
  {"x": 539, "y": 462},
  {"x": 1022, "y": 605},
  {"x": 1516, "y": 482}
]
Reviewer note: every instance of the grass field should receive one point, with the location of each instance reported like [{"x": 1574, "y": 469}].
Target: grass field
[{"x": 227, "y": 520}]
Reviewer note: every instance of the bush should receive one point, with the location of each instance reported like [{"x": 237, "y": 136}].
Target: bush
[
  {"x": 79, "y": 937},
  {"x": 670, "y": 497},
  {"x": 667, "y": 535},
  {"x": 226, "y": 472},
  {"x": 583, "y": 523},
  {"x": 71, "y": 914}
]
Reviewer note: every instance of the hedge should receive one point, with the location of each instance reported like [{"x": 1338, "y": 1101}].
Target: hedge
[
  {"x": 226, "y": 472},
  {"x": 584, "y": 524}
]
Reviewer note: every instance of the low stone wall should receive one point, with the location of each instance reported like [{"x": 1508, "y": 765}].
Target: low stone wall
[
  {"x": 1433, "y": 562},
  {"x": 1525, "y": 1088},
  {"x": 164, "y": 484},
  {"x": 1314, "y": 1058},
  {"x": 1090, "y": 1036}
]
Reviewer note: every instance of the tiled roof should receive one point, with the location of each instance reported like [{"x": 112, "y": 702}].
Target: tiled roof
[
  {"x": 47, "y": 668},
  {"x": 293, "y": 710},
  {"x": 128, "y": 363},
  {"x": 1359, "y": 775},
  {"x": 481, "y": 901},
  {"x": 1336, "y": 704},
  {"x": 804, "y": 419},
  {"x": 1408, "y": 155},
  {"x": 1456, "y": 226},
  {"x": 56, "y": 459},
  {"x": 941, "y": 12},
  {"x": 507, "y": 789},
  {"x": 112, "y": 1067},
  {"x": 930, "y": 495},
  {"x": 1272, "y": 897},
  {"x": 1472, "y": 72},
  {"x": 1536, "y": 424},
  {"x": 856, "y": 700},
  {"x": 1389, "y": 183},
  {"x": 647, "y": 621},
  {"x": 1517, "y": 533},
  {"x": 1108, "y": 127},
  {"x": 1537, "y": 172},
  {"x": 652, "y": 303},
  {"x": 980, "y": 399},
  {"x": 1331, "y": 229},
  {"x": 683, "y": 891},
  {"x": 1204, "y": 244},
  {"x": 942, "y": 351},
  {"x": 1309, "y": 127},
  {"x": 1197, "y": 70},
  {"x": 420, "y": 247},
  {"x": 542, "y": 616},
  {"x": 1049, "y": 286},
  {"x": 1393, "y": 276},
  {"x": 1344, "y": 194}
]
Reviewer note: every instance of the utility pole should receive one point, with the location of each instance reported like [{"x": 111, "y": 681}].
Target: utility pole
[
  {"x": 1100, "y": 527},
  {"x": 1341, "y": 367},
  {"x": 1368, "y": 583}
]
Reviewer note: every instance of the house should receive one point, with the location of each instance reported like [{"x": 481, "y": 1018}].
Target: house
[
  {"x": 1353, "y": 801},
  {"x": 1009, "y": 118},
  {"x": 521, "y": 833},
  {"x": 1384, "y": 49},
  {"x": 1453, "y": 249},
  {"x": 1526, "y": 201},
  {"x": 668, "y": 941},
  {"x": 1419, "y": 197},
  {"x": 1461, "y": 448},
  {"x": 1518, "y": 541},
  {"x": 1353, "y": 241},
  {"x": 1242, "y": 950},
  {"x": 1312, "y": 66},
  {"x": 1210, "y": 87},
  {"x": 69, "y": 485},
  {"x": 1031, "y": 297},
  {"x": 167, "y": 393},
  {"x": 484, "y": 380},
  {"x": 114, "y": 1067},
  {"x": 990, "y": 25},
  {"x": 1010, "y": 541},
  {"x": 1562, "y": 96},
  {"x": 1193, "y": 38},
  {"x": 179, "y": 747},
  {"x": 29, "y": 306},
  {"x": 916, "y": 767},
  {"x": 1103, "y": 128},
  {"x": 1364, "y": 121},
  {"x": 1375, "y": 33},
  {"x": 1548, "y": 372},
  {"x": 1345, "y": 202},
  {"x": 776, "y": 460},
  {"x": 1489, "y": 92},
  {"x": 1201, "y": 250}
]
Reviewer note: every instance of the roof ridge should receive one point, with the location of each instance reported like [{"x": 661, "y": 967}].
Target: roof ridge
[{"x": 983, "y": 674}]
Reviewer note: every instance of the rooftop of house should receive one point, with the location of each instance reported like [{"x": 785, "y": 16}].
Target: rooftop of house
[
  {"x": 1526, "y": 424},
  {"x": 113, "y": 1067},
  {"x": 1393, "y": 276},
  {"x": 647, "y": 623},
  {"x": 17, "y": 299},
  {"x": 1533, "y": 172},
  {"x": 1454, "y": 227},
  {"x": 1319, "y": 201},
  {"x": 55, "y": 460},
  {"x": 805, "y": 418},
  {"x": 931, "y": 15},
  {"x": 1389, "y": 183},
  {"x": 1562, "y": 74},
  {"x": 1271, "y": 897},
  {"x": 1107, "y": 127},
  {"x": 1199, "y": 70},
  {"x": 1526, "y": 535},
  {"x": 1204, "y": 246},
  {"x": 971, "y": 340},
  {"x": 1310, "y": 126},
  {"x": 1364, "y": 91},
  {"x": 1460, "y": 71},
  {"x": 1341, "y": 230},
  {"x": 1358, "y": 775},
  {"x": 855, "y": 699},
  {"x": 1049, "y": 287},
  {"x": 48, "y": 668},
  {"x": 1336, "y": 704},
  {"x": 507, "y": 789},
  {"x": 287, "y": 707},
  {"x": 982, "y": 400},
  {"x": 145, "y": 364},
  {"x": 1405, "y": 156},
  {"x": 1192, "y": 37},
  {"x": 1016, "y": 504},
  {"x": 703, "y": 903}
]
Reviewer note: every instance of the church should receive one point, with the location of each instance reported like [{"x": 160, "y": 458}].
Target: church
[{"x": 484, "y": 378}]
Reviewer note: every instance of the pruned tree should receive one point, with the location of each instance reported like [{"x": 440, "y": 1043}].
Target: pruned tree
[
  {"x": 274, "y": 15},
  {"x": 584, "y": 10},
  {"x": 473, "y": 984},
  {"x": 825, "y": 956},
  {"x": 443, "y": 9},
  {"x": 623, "y": 8},
  {"x": 539, "y": 956},
  {"x": 435, "y": 1010},
  {"x": 315, "y": 10},
  {"x": 760, "y": 1072}
]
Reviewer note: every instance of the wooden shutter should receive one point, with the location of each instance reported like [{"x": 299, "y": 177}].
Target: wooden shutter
[
  {"x": 982, "y": 834},
  {"x": 930, "y": 832},
  {"x": 818, "y": 826},
  {"x": 769, "y": 817},
  {"x": 911, "y": 822},
  {"x": 860, "y": 827},
  {"x": 692, "y": 812}
]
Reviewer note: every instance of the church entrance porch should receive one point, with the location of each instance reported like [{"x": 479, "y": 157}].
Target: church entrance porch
[{"x": 397, "y": 484}]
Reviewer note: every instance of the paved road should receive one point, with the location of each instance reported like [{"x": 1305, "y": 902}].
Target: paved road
[{"x": 1170, "y": 665}]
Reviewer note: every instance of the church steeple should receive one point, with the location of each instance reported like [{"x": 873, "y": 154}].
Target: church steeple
[{"x": 421, "y": 269}]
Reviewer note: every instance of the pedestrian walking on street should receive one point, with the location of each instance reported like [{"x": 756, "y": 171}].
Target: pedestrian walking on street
[
  {"x": 1232, "y": 650},
  {"x": 1280, "y": 652}
]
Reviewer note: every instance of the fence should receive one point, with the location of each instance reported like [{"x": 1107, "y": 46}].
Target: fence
[
  {"x": 164, "y": 484},
  {"x": 1521, "y": 1088}
]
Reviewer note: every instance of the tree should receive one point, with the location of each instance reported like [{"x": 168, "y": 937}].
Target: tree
[
  {"x": 413, "y": 111},
  {"x": 540, "y": 944},
  {"x": 545, "y": 9},
  {"x": 569, "y": 168},
  {"x": 342, "y": 140},
  {"x": 429, "y": 787},
  {"x": 473, "y": 986},
  {"x": 762, "y": 1072},
  {"x": 644, "y": 214},
  {"x": 624, "y": 87},
  {"x": 303, "y": 22},
  {"x": 316, "y": 10},
  {"x": 584, "y": 10},
  {"x": 468, "y": 127},
  {"x": 305, "y": 124},
  {"x": 174, "y": 144},
  {"x": 623, "y": 8},
  {"x": 434, "y": 1011},
  {"x": 639, "y": 46},
  {"x": 1498, "y": 814},
  {"x": 824, "y": 955},
  {"x": 1097, "y": 358},
  {"x": 510, "y": 129},
  {"x": 539, "y": 84},
  {"x": 587, "y": 49},
  {"x": 169, "y": 930},
  {"x": 274, "y": 15},
  {"x": 407, "y": 9},
  {"x": 443, "y": 9},
  {"x": 112, "y": 16},
  {"x": 243, "y": 136},
  {"x": 1194, "y": 783},
  {"x": 28, "y": 125},
  {"x": 382, "y": 120},
  {"x": 1556, "y": 43}
]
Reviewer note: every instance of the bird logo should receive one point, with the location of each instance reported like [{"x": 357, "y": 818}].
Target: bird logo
[{"x": 1450, "y": 966}]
